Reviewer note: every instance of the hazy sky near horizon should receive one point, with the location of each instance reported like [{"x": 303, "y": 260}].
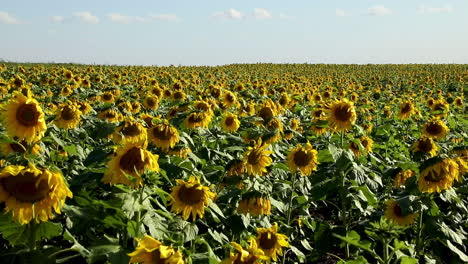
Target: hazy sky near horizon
[{"x": 213, "y": 32}]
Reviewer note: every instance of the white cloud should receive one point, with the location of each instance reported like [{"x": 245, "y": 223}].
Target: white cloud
[
  {"x": 340, "y": 13},
  {"x": 57, "y": 19},
  {"x": 261, "y": 13},
  {"x": 165, "y": 17},
  {"x": 86, "y": 17},
  {"x": 6, "y": 18},
  {"x": 230, "y": 14},
  {"x": 119, "y": 18},
  {"x": 435, "y": 10},
  {"x": 379, "y": 10}
]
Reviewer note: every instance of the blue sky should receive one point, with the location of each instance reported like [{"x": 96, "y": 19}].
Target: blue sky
[{"x": 214, "y": 32}]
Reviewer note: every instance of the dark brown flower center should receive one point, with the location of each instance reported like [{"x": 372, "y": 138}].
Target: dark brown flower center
[
  {"x": 131, "y": 131},
  {"x": 255, "y": 156},
  {"x": 397, "y": 210},
  {"x": 27, "y": 115},
  {"x": 178, "y": 95},
  {"x": 267, "y": 240},
  {"x": 406, "y": 108},
  {"x": 151, "y": 102},
  {"x": 229, "y": 121},
  {"x": 107, "y": 96},
  {"x": 229, "y": 98},
  {"x": 132, "y": 160},
  {"x": 20, "y": 148},
  {"x": 162, "y": 132},
  {"x": 434, "y": 129},
  {"x": 25, "y": 187},
  {"x": 190, "y": 195},
  {"x": 68, "y": 113},
  {"x": 265, "y": 113},
  {"x": 342, "y": 113},
  {"x": 156, "y": 257},
  {"x": 301, "y": 158},
  {"x": 195, "y": 118},
  {"x": 434, "y": 176},
  {"x": 425, "y": 145}
]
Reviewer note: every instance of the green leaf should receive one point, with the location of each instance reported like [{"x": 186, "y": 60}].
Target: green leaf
[
  {"x": 325, "y": 156},
  {"x": 408, "y": 260},
  {"x": 306, "y": 245},
  {"x": 301, "y": 256},
  {"x": 457, "y": 251},
  {"x": 48, "y": 230}
]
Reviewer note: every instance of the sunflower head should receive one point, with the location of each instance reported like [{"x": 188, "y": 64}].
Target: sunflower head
[
  {"x": 257, "y": 158},
  {"x": 402, "y": 176},
  {"x": 151, "y": 102},
  {"x": 425, "y": 145},
  {"x": 130, "y": 132},
  {"x": 23, "y": 118},
  {"x": 68, "y": 116},
  {"x": 341, "y": 115},
  {"x": 128, "y": 164},
  {"x": 253, "y": 254},
  {"x": 271, "y": 242},
  {"x": 150, "y": 250},
  {"x": 303, "y": 158},
  {"x": 198, "y": 119},
  {"x": 230, "y": 122},
  {"x": 32, "y": 193},
  {"x": 407, "y": 109},
  {"x": 437, "y": 174},
  {"x": 435, "y": 129},
  {"x": 255, "y": 204},
  {"x": 396, "y": 214},
  {"x": 163, "y": 135},
  {"x": 190, "y": 198}
]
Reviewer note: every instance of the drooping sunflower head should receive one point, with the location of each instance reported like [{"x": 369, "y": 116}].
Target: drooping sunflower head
[
  {"x": 190, "y": 198},
  {"x": 396, "y": 215},
  {"x": 198, "y": 119},
  {"x": 341, "y": 115},
  {"x": 425, "y": 145},
  {"x": 230, "y": 122},
  {"x": 23, "y": 118},
  {"x": 267, "y": 110},
  {"x": 84, "y": 107},
  {"x": 303, "y": 158},
  {"x": 163, "y": 135},
  {"x": 151, "y": 102},
  {"x": 406, "y": 110},
  {"x": 32, "y": 193},
  {"x": 435, "y": 129},
  {"x": 257, "y": 158},
  {"x": 271, "y": 242},
  {"x": 19, "y": 147},
  {"x": 229, "y": 99},
  {"x": 251, "y": 255},
  {"x": 150, "y": 251},
  {"x": 402, "y": 176},
  {"x": 202, "y": 106},
  {"x": 254, "y": 204},
  {"x": 130, "y": 132},
  {"x": 68, "y": 116},
  {"x": 440, "y": 108},
  {"x": 110, "y": 115},
  {"x": 128, "y": 164},
  {"x": 107, "y": 97},
  {"x": 366, "y": 143},
  {"x": 437, "y": 175}
]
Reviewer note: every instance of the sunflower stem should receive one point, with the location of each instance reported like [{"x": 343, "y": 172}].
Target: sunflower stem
[
  {"x": 344, "y": 218},
  {"x": 140, "y": 202},
  {"x": 293, "y": 183},
  {"x": 419, "y": 234},
  {"x": 385, "y": 251},
  {"x": 342, "y": 140},
  {"x": 32, "y": 235}
]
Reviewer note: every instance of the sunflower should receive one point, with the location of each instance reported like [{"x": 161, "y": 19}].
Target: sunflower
[
  {"x": 438, "y": 176},
  {"x": 394, "y": 213},
  {"x": 68, "y": 116},
  {"x": 151, "y": 102},
  {"x": 302, "y": 158},
  {"x": 402, "y": 176},
  {"x": 20, "y": 147},
  {"x": 152, "y": 251},
  {"x": 197, "y": 119},
  {"x": 107, "y": 97},
  {"x": 441, "y": 107},
  {"x": 366, "y": 143},
  {"x": 84, "y": 107},
  {"x": 128, "y": 163},
  {"x": 181, "y": 152},
  {"x": 163, "y": 135},
  {"x": 271, "y": 242},
  {"x": 110, "y": 115},
  {"x": 268, "y": 110},
  {"x": 425, "y": 145},
  {"x": 230, "y": 123},
  {"x": 130, "y": 132},
  {"x": 256, "y": 159},
  {"x": 190, "y": 198},
  {"x": 229, "y": 99},
  {"x": 241, "y": 256},
  {"x": 435, "y": 129},
  {"x": 255, "y": 205},
  {"x": 23, "y": 118},
  {"x": 341, "y": 115},
  {"x": 458, "y": 101},
  {"x": 406, "y": 110},
  {"x": 32, "y": 193}
]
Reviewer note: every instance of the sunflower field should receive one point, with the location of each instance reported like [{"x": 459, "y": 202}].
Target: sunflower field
[{"x": 260, "y": 163}]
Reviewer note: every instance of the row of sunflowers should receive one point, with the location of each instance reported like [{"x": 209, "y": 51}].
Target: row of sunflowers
[{"x": 259, "y": 163}]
